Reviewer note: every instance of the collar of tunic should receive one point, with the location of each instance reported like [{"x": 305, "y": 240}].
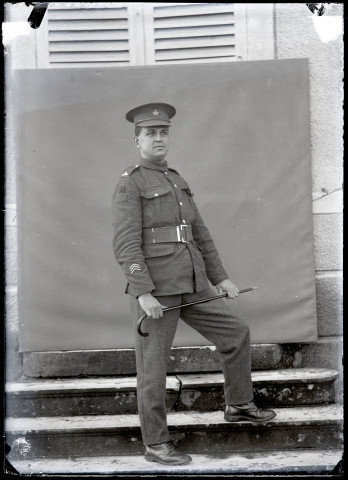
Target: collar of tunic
[{"x": 144, "y": 162}]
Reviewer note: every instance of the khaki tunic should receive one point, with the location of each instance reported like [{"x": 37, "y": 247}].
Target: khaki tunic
[{"x": 148, "y": 196}]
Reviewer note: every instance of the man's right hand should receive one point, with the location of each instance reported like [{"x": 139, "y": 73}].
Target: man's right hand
[{"x": 151, "y": 305}]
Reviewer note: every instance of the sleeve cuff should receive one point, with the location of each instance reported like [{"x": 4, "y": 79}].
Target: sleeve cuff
[{"x": 219, "y": 279}]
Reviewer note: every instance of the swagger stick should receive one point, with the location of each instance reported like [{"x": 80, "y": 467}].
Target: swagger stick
[{"x": 224, "y": 295}]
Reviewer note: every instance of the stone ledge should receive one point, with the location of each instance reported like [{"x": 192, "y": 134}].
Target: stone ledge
[
  {"x": 121, "y": 384},
  {"x": 289, "y": 461},
  {"x": 319, "y": 415},
  {"x": 122, "y": 362},
  {"x": 205, "y": 433},
  {"x": 199, "y": 392},
  {"x": 325, "y": 353}
]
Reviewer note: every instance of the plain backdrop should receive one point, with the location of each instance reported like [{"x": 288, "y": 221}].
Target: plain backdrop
[{"x": 240, "y": 138}]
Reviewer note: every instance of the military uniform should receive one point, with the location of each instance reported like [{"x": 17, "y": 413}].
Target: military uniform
[
  {"x": 164, "y": 247},
  {"x": 155, "y": 201}
]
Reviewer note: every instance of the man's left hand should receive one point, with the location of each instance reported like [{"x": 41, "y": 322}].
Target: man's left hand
[{"x": 226, "y": 286}]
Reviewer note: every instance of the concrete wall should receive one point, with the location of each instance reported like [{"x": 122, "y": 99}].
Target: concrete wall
[
  {"x": 291, "y": 32},
  {"x": 298, "y": 35}
]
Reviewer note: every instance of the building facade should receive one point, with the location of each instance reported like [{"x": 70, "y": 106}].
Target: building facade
[{"x": 88, "y": 35}]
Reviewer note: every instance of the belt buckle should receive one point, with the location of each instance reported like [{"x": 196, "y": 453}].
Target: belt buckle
[{"x": 181, "y": 238}]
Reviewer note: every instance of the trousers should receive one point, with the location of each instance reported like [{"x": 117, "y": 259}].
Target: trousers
[{"x": 216, "y": 323}]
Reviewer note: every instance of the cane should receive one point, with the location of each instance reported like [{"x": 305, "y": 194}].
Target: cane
[{"x": 224, "y": 295}]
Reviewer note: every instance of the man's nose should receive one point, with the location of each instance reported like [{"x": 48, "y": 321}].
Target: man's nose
[{"x": 158, "y": 136}]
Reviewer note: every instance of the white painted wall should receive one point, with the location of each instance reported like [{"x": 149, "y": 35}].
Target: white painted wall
[{"x": 299, "y": 33}]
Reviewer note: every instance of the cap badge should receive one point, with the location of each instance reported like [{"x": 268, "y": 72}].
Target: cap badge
[{"x": 155, "y": 112}]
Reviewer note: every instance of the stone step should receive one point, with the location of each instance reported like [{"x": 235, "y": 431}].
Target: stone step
[
  {"x": 200, "y": 392},
  {"x": 325, "y": 353},
  {"x": 299, "y": 462},
  {"x": 317, "y": 427},
  {"x": 274, "y": 388},
  {"x": 122, "y": 361}
]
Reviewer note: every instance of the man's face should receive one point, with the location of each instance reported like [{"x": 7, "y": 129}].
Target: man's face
[{"x": 153, "y": 143}]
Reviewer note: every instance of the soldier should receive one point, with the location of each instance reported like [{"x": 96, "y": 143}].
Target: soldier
[{"x": 168, "y": 256}]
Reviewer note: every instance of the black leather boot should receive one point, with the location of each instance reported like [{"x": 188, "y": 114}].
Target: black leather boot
[
  {"x": 165, "y": 453},
  {"x": 248, "y": 411}
]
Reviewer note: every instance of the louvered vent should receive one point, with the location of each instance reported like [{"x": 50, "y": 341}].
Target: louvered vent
[
  {"x": 194, "y": 32},
  {"x": 88, "y": 34}
]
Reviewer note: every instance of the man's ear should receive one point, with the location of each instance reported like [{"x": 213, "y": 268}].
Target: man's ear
[{"x": 136, "y": 141}]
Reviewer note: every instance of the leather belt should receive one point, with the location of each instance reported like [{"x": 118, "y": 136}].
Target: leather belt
[{"x": 179, "y": 233}]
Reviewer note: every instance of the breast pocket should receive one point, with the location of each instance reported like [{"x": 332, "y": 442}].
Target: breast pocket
[{"x": 157, "y": 202}]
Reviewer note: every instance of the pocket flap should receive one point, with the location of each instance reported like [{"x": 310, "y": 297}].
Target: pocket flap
[
  {"x": 155, "y": 191},
  {"x": 157, "y": 250}
]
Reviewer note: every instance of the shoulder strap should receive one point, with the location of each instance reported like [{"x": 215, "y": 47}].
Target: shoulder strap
[
  {"x": 129, "y": 170},
  {"x": 173, "y": 170}
]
